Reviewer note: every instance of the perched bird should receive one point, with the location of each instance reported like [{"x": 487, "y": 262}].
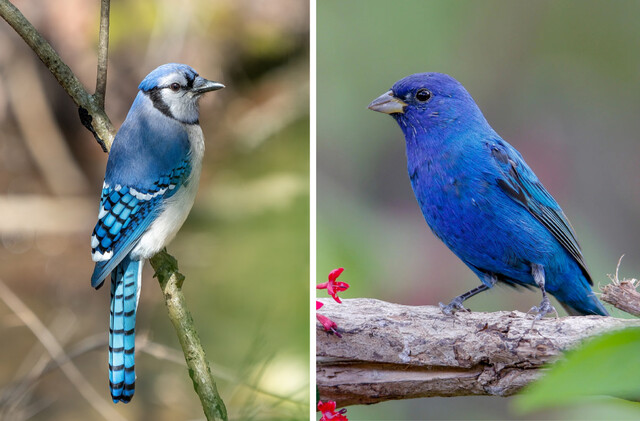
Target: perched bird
[
  {"x": 480, "y": 197},
  {"x": 149, "y": 187}
]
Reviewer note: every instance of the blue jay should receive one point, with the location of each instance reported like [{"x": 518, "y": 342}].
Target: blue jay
[{"x": 149, "y": 187}]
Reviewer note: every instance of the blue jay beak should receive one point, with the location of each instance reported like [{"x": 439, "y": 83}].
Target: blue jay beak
[
  {"x": 202, "y": 85},
  {"x": 387, "y": 103}
]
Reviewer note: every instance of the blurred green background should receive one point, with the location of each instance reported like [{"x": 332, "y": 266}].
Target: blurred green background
[
  {"x": 244, "y": 249},
  {"x": 559, "y": 80}
]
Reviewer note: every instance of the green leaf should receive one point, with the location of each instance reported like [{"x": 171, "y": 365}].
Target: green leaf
[{"x": 607, "y": 365}]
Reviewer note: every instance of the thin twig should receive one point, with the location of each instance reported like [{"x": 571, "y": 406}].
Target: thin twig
[
  {"x": 88, "y": 344},
  {"x": 56, "y": 351},
  {"x": 166, "y": 268},
  {"x": 622, "y": 294},
  {"x": 97, "y": 119},
  {"x": 163, "y": 352},
  {"x": 144, "y": 345},
  {"x": 103, "y": 53},
  {"x": 14, "y": 397}
]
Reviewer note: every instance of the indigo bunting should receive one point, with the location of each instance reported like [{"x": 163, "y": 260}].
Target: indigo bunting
[{"x": 480, "y": 197}]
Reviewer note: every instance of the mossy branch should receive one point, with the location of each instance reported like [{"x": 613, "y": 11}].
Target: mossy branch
[
  {"x": 94, "y": 118},
  {"x": 98, "y": 121},
  {"x": 166, "y": 268}
]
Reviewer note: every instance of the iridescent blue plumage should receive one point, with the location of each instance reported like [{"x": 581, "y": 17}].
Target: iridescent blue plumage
[
  {"x": 149, "y": 186},
  {"x": 481, "y": 199}
]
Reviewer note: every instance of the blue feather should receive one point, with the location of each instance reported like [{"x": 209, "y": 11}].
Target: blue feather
[
  {"x": 165, "y": 146},
  {"x": 126, "y": 217},
  {"x": 125, "y": 281},
  {"x": 151, "y": 81},
  {"x": 478, "y": 195},
  {"x": 155, "y": 154},
  {"x": 163, "y": 143}
]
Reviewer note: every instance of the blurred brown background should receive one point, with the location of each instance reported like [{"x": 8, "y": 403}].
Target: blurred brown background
[
  {"x": 244, "y": 249},
  {"x": 559, "y": 80}
]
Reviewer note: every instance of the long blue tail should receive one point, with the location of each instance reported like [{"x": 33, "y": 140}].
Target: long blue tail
[{"x": 125, "y": 281}]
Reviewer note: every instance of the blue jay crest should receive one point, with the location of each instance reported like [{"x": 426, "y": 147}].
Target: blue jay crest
[{"x": 149, "y": 187}]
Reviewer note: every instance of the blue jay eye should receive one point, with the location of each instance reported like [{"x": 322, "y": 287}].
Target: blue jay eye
[
  {"x": 175, "y": 87},
  {"x": 423, "y": 95}
]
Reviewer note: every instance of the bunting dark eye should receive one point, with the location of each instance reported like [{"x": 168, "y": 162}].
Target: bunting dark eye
[
  {"x": 423, "y": 95},
  {"x": 175, "y": 87}
]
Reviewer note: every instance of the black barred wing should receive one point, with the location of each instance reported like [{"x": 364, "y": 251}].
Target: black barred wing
[{"x": 125, "y": 214}]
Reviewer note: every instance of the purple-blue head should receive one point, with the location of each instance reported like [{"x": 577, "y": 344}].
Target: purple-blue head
[{"x": 425, "y": 101}]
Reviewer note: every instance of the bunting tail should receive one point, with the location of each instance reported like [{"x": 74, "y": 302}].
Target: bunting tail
[{"x": 125, "y": 284}]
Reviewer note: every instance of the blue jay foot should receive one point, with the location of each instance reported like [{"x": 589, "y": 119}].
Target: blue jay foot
[{"x": 453, "y": 307}]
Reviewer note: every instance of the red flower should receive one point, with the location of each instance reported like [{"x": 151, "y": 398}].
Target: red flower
[
  {"x": 333, "y": 287},
  {"x": 334, "y": 274},
  {"x": 328, "y": 410},
  {"x": 328, "y": 324},
  {"x": 318, "y": 305}
]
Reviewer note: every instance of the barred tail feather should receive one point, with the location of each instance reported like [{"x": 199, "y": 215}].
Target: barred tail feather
[{"x": 125, "y": 283}]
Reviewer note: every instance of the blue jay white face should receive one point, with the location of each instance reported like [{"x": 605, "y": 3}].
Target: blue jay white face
[
  {"x": 149, "y": 187},
  {"x": 175, "y": 90}
]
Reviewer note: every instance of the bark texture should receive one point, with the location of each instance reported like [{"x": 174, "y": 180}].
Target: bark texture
[
  {"x": 391, "y": 351},
  {"x": 623, "y": 295}
]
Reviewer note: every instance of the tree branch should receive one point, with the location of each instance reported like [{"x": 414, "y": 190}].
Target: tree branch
[
  {"x": 391, "y": 351},
  {"x": 94, "y": 118},
  {"x": 103, "y": 53},
  {"x": 171, "y": 280},
  {"x": 622, "y": 294}
]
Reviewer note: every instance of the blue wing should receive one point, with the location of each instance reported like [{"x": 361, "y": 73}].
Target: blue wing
[
  {"x": 122, "y": 220},
  {"x": 148, "y": 163},
  {"x": 520, "y": 183},
  {"x": 125, "y": 214}
]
